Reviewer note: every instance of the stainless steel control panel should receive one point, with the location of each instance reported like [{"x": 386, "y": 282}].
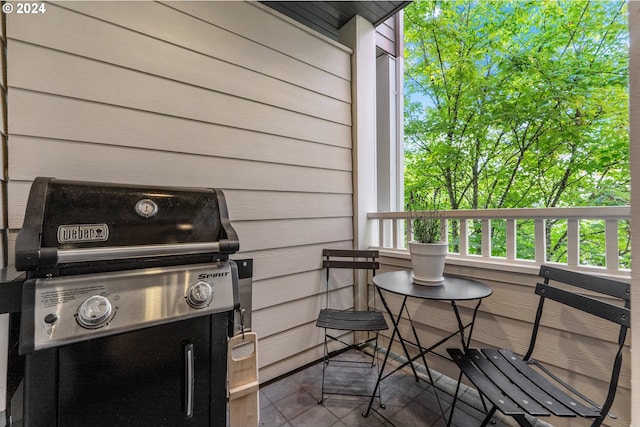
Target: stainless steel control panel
[{"x": 76, "y": 308}]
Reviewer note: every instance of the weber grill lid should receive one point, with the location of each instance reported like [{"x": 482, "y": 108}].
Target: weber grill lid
[{"x": 88, "y": 222}]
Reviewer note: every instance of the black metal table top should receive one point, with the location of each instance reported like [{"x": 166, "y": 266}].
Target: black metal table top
[{"x": 453, "y": 288}]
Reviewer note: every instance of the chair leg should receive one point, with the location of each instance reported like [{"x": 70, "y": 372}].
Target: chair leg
[
  {"x": 325, "y": 362},
  {"x": 487, "y": 419},
  {"x": 522, "y": 421},
  {"x": 376, "y": 352}
]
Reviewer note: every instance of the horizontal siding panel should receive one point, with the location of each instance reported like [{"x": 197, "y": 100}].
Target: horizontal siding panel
[
  {"x": 275, "y": 319},
  {"x": 290, "y": 364},
  {"x": 4, "y": 255},
  {"x": 11, "y": 246},
  {"x": 51, "y": 116},
  {"x": 385, "y": 37},
  {"x": 254, "y": 205},
  {"x": 3, "y": 154},
  {"x": 161, "y": 22},
  {"x": 3, "y": 52},
  {"x": 289, "y": 39},
  {"x": 387, "y": 28},
  {"x": 110, "y": 43},
  {"x": 280, "y": 290},
  {"x": 3, "y": 212},
  {"x": 260, "y": 235},
  {"x": 294, "y": 341},
  {"x": 32, "y": 157},
  {"x": 42, "y": 70},
  {"x": 288, "y": 260},
  {"x": 3, "y": 112},
  {"x": 17, "y": 195},
  {"x": 279, "y": 347}
]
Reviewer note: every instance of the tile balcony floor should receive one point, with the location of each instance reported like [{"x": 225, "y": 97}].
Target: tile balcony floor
[{"x": 292, "y": 401}]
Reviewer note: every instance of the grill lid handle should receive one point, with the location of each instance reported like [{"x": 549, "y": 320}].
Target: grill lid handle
[{"x": 121, "y": 252}]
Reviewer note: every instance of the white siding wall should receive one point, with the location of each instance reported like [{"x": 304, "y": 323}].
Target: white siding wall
[{"x": 219, "y": 94}]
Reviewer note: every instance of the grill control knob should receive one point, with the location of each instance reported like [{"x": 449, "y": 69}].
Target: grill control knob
[
  {"x": 199, "y": 295},
  {"x": 94, "y": 312}
]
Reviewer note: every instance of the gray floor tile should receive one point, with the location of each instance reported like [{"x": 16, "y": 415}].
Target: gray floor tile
[
  {"x": 295, "y": 404},
  {"x": 270, "y": 416},
  {"x": 292, "y": 401},
  {"x": 316, "y": 416}
]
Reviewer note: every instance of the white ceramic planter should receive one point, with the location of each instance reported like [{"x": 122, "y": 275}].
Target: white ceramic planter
[{"x": 427, "y": 261}]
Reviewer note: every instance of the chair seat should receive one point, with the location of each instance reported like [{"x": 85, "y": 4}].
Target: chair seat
[
  {"x": 514, "y": 387},
  {"x": 349, "y": 320}
]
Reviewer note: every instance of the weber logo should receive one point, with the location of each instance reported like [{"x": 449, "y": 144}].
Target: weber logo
[{"x": 83, "y": 233}]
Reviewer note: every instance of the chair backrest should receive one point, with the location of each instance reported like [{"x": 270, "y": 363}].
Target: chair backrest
[
  {"x": 605, "y": 298},
  {"x": 350, "y": 259}
]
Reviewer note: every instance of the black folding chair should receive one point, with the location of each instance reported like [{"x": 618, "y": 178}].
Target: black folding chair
[
  {"x": 519, "y": 386},
  {"x": 332, "y": 319}
]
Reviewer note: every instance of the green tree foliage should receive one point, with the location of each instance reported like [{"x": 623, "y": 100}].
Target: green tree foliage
[{"x": 517, "y": 104}]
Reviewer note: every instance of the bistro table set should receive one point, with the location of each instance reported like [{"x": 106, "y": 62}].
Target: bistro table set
[{"x": 453, "y": 289}]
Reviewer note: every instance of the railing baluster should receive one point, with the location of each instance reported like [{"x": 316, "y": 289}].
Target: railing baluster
[
  {"x": 398, "y": 232},
  {"x": 540, "y": 240},
  {"x": 464, "y": 237},
  {"x": 511, "y": 239},
  {"x": 573, "y": 241},
  {"x": 611, "y": 240},
  {"x": 486, "y": 238},
  {"x": 444, "y": 230}
]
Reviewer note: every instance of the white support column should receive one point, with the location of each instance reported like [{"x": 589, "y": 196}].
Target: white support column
[
  {"x": 359, "y": 34},
  {"x": 386, "y": 133},
  {"x": 634, "y": 124}
]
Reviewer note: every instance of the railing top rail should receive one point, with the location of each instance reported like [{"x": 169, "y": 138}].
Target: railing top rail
[{"x": 594, "y": 212}]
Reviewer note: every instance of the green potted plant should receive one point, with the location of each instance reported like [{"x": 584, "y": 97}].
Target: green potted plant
[{"x": 428, "y": 249}]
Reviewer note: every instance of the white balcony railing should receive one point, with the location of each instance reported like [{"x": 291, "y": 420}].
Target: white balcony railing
[{"x": 472, "y": 235}]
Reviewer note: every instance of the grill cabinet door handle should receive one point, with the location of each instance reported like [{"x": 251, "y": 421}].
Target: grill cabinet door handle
[{"x": 188, "y": 380}]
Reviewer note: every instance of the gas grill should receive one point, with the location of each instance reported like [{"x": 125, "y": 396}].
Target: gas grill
[{"x": 127, "y": 305}]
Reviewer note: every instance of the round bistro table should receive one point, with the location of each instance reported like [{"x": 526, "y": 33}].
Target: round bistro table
[{"x": 452, "y": 289}]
